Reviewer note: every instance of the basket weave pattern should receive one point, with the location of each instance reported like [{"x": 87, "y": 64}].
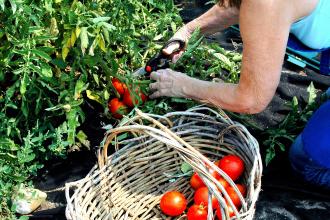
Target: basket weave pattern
[{"x": 129, "y": 183}]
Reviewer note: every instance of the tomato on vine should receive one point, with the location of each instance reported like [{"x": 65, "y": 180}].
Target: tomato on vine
[
  {"x": 131, "y": 99},
  {"x": 117, "y": 108},
  {"x": 119, "y": 86}
]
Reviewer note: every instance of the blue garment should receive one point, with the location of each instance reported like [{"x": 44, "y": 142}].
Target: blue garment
[
  {"x": 314, "y": 29},
  {"x": 306, "y": 167},
  {"x": 316, "y": 136}
]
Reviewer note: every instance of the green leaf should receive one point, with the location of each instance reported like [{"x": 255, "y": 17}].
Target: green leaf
[
  {"x": 96, "y": 78},
  {"x": 8, "y": 144},
  {"x": 100, "y": 19},
  {"x": 270, "y": 154},
  {"x": 312, "y": 93},
  {"x": 84, "y": 39},
  {"x": 46, "y": 70},
  {"x": 93, "y": 96},
  {"x": 41, "y": 54},
  {"x": 24, "y": 83},
  {"x": 80, "y": 86},
  {"x": 25, "y": 107},
  {"x": 2, "y": 4},
  {"x": 185, "y": 167},
  {"x": 13, "y": 6},
  {"x": 108, "y": 26},
  {"x": 73, "y": 123}
]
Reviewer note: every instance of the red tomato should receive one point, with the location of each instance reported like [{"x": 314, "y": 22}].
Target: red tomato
[
  {"x": 196, "y": 182},
  {"x": 214, "y": 173},
  {"x": 201, "y": 197},
  {"x": 117, "y": 108},
  {"x": 197, "y": 212},
  {"x": 234, "y": 196},
  {"x": 173, "y": 203},
  {"x": 119, "y": 86},
  {"x": 129, "y": 98},
  {"x": 232, "y": 165},
  {"x": 218, "y": 212},
  {"x": 223, "y": 182}
]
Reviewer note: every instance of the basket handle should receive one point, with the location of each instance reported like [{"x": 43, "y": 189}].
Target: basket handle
[{"x": 69, "y": 208}]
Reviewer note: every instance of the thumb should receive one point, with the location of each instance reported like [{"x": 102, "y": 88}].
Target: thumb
[{"x": 172, "y": 47}]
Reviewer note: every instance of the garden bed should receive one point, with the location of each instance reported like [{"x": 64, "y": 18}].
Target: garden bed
[{"x": 54, "y": 101}]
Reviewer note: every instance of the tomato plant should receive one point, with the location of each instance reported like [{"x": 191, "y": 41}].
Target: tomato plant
[
  {"x": 173, "y": 203},
  {"x": 197, "y": 212},
  {"x": 55, "y": 58},
  {"x": 232, "y": 165}
]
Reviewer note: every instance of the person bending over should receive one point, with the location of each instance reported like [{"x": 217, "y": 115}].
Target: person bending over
[{"x": 265, "y": 27}]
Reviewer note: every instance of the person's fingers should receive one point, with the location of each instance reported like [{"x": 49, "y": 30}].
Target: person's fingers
[
  {"x": 155, "y": 95},
  {"x": 170, "y": 48},
  {"x": 154, "y": 86},
  {"x": 155, "y": 75}
]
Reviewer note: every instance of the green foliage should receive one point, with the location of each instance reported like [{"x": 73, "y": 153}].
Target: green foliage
[
  {"x": 53, "y": 56},
  {"x": 285, "y": 133}
]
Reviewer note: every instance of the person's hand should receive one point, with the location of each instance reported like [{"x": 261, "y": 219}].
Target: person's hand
[
  {"x": 184, "y": 34},
  {"x": 169, "y": 83}
]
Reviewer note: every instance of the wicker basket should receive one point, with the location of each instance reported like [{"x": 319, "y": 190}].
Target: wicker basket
[{"x": 150, "y": 151}]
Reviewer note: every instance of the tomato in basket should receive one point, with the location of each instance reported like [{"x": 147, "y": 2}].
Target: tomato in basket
[
  {"x": 173, "y": 203},
  {"x": 232, "y": 165},
  {"x": 233, "y": 195},
  {"x": 201, "y": 197},
  {"x": 223, "y": 182},
  {"x": 196, "y": 182},
  {"x": 197, "y": 212},
  {"x": 218, "y": 212}
]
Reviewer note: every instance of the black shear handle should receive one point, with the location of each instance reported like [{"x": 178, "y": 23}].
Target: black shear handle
[{"x": 162, "y": 60}]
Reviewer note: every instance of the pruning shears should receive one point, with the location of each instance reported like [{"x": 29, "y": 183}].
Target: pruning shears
[{"x": 161, "y": 60}]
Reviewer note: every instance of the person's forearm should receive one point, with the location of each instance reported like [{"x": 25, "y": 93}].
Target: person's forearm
[
  {"x": 215, "y": 19},
  {"x": 223, "y": 95}
]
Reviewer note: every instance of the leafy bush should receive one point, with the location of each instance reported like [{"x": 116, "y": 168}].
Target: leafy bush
[{"x": 54, "y": 55}]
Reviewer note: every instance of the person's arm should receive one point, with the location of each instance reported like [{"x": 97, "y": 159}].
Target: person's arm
[
  {"x": 215, "y": 19},
  {"x": 264, "y": 28}
]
